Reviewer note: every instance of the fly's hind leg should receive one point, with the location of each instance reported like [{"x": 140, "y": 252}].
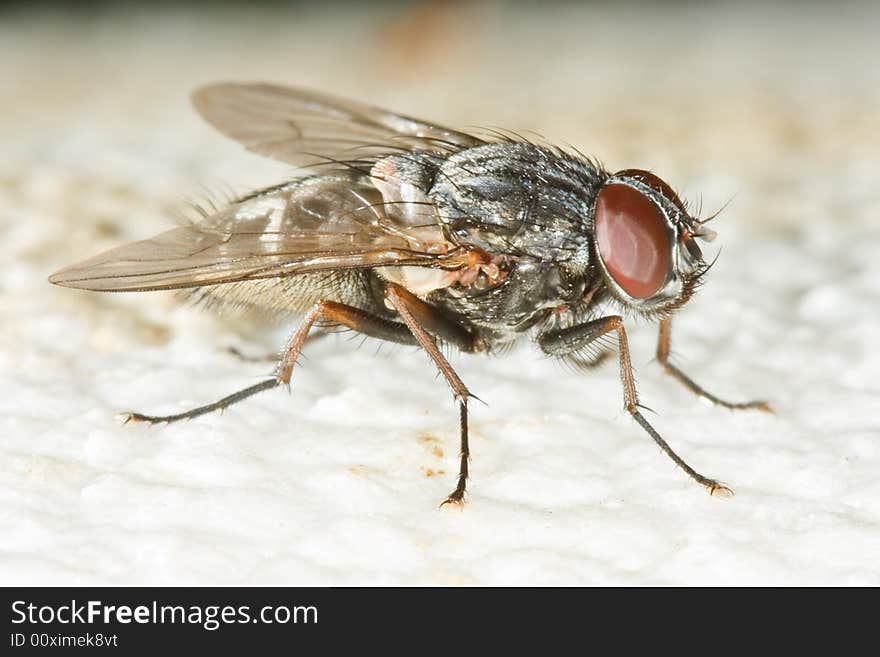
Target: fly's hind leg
[
  {"x": 218, "y": 405},
  {"x": 420, "y": 322},
  {"x": 566, "y": 341},
  {"x": 324, "y": 311},
  {"x": 664, "y": 342}
]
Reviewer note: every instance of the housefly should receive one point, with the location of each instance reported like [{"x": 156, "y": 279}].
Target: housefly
[{"x": 422, "y": 235}]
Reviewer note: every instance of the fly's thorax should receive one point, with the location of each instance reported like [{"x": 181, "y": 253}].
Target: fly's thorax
[{"x": 518, "y": 199}]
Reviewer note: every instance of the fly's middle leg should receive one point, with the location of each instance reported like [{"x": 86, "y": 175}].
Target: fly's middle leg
[{"x": 423, "y": 320}]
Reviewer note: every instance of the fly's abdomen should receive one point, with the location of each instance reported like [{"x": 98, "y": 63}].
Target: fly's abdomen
[{"x": 276, "y": 299}]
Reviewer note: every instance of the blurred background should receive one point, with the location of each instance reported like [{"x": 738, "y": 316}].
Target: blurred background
[
  {"x": 775, "y": 104},
  {"x": 770, "y": 108}
]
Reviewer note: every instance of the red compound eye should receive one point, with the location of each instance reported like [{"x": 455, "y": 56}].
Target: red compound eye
[
  {"x": 654, "y": 182},
  {"x": 634, "y": 240}
]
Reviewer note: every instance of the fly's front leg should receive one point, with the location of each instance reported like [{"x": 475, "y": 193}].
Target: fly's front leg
[
  {"x": 567, "y": 341},
  {"x": 421, "y": 318},
  {"x": 663, "y": 351},
  {"x": 328, "y": 311}
]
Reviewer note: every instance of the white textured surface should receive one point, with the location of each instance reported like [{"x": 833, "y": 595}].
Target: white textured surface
[{"x": 339, "y": 482}]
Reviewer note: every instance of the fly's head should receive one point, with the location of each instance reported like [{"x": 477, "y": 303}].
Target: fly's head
[{"x": 646, "y": 242}]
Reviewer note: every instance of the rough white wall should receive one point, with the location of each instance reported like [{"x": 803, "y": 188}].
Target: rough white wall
[{"x": 339, "y": 482}]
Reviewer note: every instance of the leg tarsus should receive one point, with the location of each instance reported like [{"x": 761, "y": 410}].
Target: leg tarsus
[
  {"x": 201, "y": 410},
  {"x": 715, "y": 488},
  {"x": 721, "y": 491},
  {"x": 456, "y": 497}
]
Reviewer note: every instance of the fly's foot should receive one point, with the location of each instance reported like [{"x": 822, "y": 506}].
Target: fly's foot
[
  {"x": 756, "y": 405},
  {"x": 718, "y": 490},
  {"x": 759, "y": 405},
  {"x": 131, "y": 417},
  {"x": 456, "y": 499}
]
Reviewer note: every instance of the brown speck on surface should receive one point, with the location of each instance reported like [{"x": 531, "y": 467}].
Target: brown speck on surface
[{"x": 430, "y": 442}]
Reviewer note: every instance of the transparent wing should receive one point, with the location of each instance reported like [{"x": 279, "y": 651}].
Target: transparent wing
[
  {"x": 325, "y": 222},
  {"x": 305, "y": 127}
]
